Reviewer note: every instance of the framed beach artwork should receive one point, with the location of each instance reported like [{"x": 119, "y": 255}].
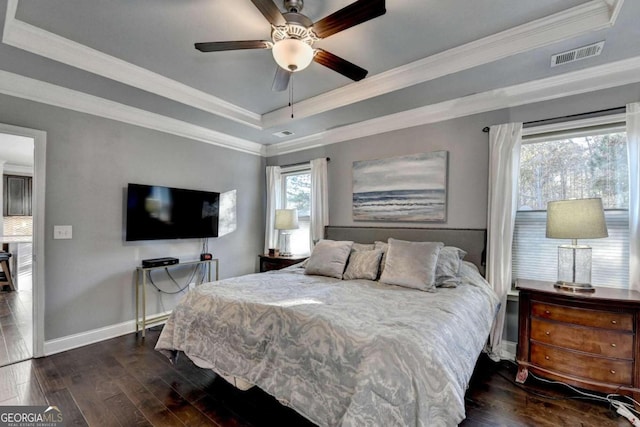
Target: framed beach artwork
[{"x": 409, "y": 188}]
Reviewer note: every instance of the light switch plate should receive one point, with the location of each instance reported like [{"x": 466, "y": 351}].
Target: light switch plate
[{"x": 62, "y": 232}]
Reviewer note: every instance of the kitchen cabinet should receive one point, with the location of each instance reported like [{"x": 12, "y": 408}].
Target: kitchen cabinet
[{"x": 16, "y": 195}]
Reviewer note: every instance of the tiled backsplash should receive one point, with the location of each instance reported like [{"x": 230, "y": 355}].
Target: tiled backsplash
[{"x": 17, "y": 225}]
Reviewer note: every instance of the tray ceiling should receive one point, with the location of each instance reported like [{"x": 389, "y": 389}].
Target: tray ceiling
[{"x": 420, "y": 53}]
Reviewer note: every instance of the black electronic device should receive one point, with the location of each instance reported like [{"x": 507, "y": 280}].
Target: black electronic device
[
  {"x": 155, "y": 213},
  {"x": 159, "y": 262},
  {"x": 206, "y": 257}
]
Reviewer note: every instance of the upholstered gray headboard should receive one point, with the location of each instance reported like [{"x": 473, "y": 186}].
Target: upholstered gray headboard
[{"x": 471, "y": 240}]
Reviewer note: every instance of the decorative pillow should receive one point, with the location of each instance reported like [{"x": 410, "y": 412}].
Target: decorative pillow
[
  {"x": 382, "y": 246},
  {"x": 448, "y": 267},
  {"x": 411, "y": 264},
  {"x": 329, "y": 258},
  {"x": 363, "y": 265},
  {"x": 363, "y": 247}
]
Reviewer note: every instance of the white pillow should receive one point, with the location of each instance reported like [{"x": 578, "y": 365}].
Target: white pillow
[
  {"x": 411, "y": 264},
  {"x": 363, "y": 265},
  {"x": 329, "y": 258}
]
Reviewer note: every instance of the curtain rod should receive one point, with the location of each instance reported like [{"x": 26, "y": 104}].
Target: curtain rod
[
  {"x": 571, "y": 116},
  {"x": 300, "y": 164}
]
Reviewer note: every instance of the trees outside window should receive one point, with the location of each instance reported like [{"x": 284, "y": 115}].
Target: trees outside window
[{"x": 575, "y": 168}]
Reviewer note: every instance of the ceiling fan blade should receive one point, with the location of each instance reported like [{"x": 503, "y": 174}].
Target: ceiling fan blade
[
  {"x": 350, "y": 16},
  {"x": 339, "y": 65},
  {"x": 270, "y": 11},
  {"x": 281, "y": 80},
  {"x": 220, "y": 46}
]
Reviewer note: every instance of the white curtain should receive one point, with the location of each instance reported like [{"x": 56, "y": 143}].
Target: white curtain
[
  {"x": 633, "y": 147},
  {"x": 274, "y": 200},
  {"x": 319, "y": 199},
  {"x": 504, "y": 164}
]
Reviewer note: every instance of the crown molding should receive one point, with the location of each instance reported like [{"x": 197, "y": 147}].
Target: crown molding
[
  {"x": 35, "y": 90},
  {"x": 573, "y": 83},
  {"x": 592, "y": 16},
  {"x": 25, "y": 36},
  {"x": 18, "y": 169},
  {"x": 588, "y": 80}
]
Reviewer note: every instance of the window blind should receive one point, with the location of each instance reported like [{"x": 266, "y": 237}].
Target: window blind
[{"x": 536, "y": 257}]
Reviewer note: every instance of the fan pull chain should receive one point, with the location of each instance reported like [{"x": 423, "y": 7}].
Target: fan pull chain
[{"x": 291, "y": 95}]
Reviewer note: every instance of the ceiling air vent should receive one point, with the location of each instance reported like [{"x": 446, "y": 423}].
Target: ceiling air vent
[
  {"x": 283, "y": 133},
  {"x": 577, "y": 54}
]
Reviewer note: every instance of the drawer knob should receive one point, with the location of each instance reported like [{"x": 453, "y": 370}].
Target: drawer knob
[
  {"x": 613, "y": 371},
  {"x": 614, "y": 322},
  {"x": 547, "y": 358},
  {"x": 613, "y": 345},
  {"x": 547, "y": 312},
  {"x": 547, "y": 333}
]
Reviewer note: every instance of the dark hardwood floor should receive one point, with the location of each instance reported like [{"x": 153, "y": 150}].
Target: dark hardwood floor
[
  {"x": 124, "y": 382},
  {"x": 15, "y": 326}
]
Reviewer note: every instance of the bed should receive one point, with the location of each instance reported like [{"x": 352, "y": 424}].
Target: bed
[{"x": 344, "y": 352}]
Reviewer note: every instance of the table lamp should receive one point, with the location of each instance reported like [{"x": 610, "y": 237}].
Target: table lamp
[
  {"x": 286, "y": 219},
  {"x": 575, "y": 219}
]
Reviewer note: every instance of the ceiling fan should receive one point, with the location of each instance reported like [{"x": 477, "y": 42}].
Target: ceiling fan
[{"x": 293, "y": 36}]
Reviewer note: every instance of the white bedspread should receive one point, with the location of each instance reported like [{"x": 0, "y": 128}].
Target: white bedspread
[{"x": 342, "y": 353}]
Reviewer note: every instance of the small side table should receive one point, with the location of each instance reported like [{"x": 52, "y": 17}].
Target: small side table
[
  {"x": 277, "y": 262},
  {"x": 142, "y": 320}
]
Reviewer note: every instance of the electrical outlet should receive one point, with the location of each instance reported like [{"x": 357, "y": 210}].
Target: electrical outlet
[{"x": 62, "y": 232}]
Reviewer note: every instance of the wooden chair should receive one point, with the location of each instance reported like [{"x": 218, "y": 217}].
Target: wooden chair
[{"x": 5, "y": 275}]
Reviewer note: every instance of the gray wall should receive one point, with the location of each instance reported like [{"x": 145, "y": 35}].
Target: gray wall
[
  {"x": 463, "y": 138},
  {"x": 89, "y": 279}
]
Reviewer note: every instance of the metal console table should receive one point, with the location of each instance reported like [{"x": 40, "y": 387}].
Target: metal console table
[{"x": 143, "y": 321}]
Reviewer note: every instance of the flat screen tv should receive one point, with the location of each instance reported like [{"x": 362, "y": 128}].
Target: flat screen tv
[{"x": 155, "y": 213}]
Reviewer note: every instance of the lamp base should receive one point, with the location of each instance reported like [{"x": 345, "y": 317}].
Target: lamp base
[
  {"x": 574, "y": 287},
  {"x": 285, "y": 246}
]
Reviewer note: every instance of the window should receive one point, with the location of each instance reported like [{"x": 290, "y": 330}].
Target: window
[
  {"x": 296, "y": 193},
  {"x": 579, "y": 164}
]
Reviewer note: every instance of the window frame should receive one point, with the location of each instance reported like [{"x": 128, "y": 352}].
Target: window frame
[
  {"x": 572, "y": 129},
  {"x": 298, "y": 169}
]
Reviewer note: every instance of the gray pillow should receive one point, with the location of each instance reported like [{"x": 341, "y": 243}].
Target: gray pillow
[
  {"x": 448, "y": 267},
  {"x": 382, "y": 246},
  {"x": 411, "y": 264},
  {"x": 363, "y": 265},
  {"x": 329, "y": 258},
  {"x": 362, "y": 247}
]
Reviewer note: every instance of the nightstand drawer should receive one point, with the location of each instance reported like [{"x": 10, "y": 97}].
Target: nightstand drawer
[
  {"x": 582, "y": 316},
  {"x": 600, "y": 342},
  {"x": 610, "y": 371}
]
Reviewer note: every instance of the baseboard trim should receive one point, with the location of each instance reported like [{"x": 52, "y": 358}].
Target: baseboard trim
[{"x": 93, "y": 336}]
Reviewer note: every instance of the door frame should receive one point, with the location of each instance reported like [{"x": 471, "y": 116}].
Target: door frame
[{"x": 38, "y": 198}]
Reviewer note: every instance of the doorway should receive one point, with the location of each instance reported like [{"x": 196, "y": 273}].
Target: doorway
[{"x": 21, "y": 223}]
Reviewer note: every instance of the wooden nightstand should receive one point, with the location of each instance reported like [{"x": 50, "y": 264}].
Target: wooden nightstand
[
  {"x": 268, "y": 263},
  {"x": 588, "y": 340}
]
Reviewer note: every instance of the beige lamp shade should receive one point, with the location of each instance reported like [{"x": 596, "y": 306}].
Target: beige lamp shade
[
  {"x": 576, "y": 219},
  {"x": 286, "y": 219}
]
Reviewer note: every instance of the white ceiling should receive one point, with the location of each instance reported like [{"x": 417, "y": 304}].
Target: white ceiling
[
  {"x": 420, "y": 54},
  {"x": 16, "y": 151}
]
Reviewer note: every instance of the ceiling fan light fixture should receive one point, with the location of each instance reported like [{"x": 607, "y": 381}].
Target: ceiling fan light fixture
[{"x": 292, "y": 54}]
